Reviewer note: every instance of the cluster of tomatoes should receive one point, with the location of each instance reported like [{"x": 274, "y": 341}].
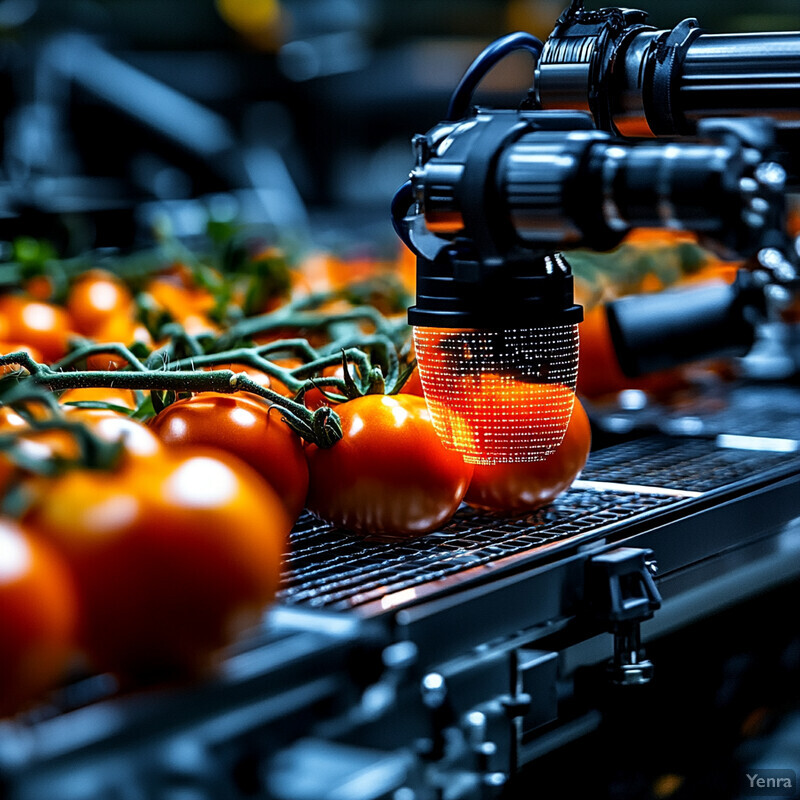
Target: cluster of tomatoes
[{"x": 150, "y": 558}]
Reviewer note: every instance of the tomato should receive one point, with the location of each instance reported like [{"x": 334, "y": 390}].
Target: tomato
[
  {"x": 518, "y": 487},
  {"x": 389, "y": 474},
  {"x": 286, "y": 363},
  {"x": 314, "y": 398},
  {"x": 175, "y": 295},
  {"x": 11, "y": 419},
  {"x": 123, "y": 330},
  {"x": 97, "y": 298},
  {"x": 42, "y": 325},
  {"x": 100, "y": 394},
  {"x": 111, "y": 426},
  {"x": 38, "y": 616},
  {"x": 491, "y": 418},
  {"x": 413, "y": 385},
  {"x": 247, "y": 427},
  {"x": 15, "y": 347},
  {"x": 39, "y": 287},
  {"x": 599, "y": 372},
  {"x": 171, "y": 557}
]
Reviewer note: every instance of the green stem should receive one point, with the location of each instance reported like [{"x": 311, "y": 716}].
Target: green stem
[
  {"x": 111, "y": 348},
  {"x": 382, "y": 343},
  {"x": 293, "y": 379},
  {"x": 298, "y": 347},
  {"x": 290, "y": 318},
  {"x": 244, "y": 356},
  {"x": 318, "y": 428}
]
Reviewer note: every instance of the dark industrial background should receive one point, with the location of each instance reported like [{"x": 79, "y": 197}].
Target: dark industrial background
[{"x": 295, "y": 114}]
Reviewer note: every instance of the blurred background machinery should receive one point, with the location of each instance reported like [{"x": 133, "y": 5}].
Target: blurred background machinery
[
  {"x": 443, "y": 667},
  {"x": 115, "y": 111}
]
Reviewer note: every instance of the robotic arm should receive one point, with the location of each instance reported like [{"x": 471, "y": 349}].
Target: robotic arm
[{"x": 496, "y": 194}]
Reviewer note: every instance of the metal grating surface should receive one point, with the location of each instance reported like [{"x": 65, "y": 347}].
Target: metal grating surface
[
  {"x": 330, "y": 568},
  {"x": 334, "y": 569},
  {"x": 695, "y": 465}
]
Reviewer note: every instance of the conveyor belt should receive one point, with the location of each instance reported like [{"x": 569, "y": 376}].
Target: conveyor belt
[{"x": 330, "y": 568}]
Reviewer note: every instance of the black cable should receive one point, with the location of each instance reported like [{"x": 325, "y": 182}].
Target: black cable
[
  {"x": 401, "y": 202},
  {"x": 477, "y": 70}
]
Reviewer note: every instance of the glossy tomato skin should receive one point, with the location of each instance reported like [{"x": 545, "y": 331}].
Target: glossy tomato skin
[
  {"x": 44, "y": 326},
  {"x": 247, "y": 427},
  {"x": 96, "y": 299},
  {"x": 111, "y": 426},
  {"x": 171, "y": 557},
  {"x": 413, "y": 385},
  {"x": 389, "y": 475},
  {"x": 519, "y": 487},
  {"x": 38, "y": 617},
  {"x": 123, "y": 330}
]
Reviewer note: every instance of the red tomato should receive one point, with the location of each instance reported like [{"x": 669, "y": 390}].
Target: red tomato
[
  {"x": 97, "y": 298},
  {"x": 490, "y": 417},
  {"x": 39, "y": 287},
  {"x": 314, "y": 398},
  {"x": 123, "y": 330},
  {"x": 413, "y": 385},
  {"x": 38, "y": 616},
  {"x": 171, "y": 557},
  {"x": 518, "y": 487},
  {"x": 249, "y": 428},
  {"x": 15, "y": 347},
  {"x": 599, "y": 372},
  {"x": 389, "y": 474},
  {"x": 42, "y": 325},
  {"x": 111, "y": 426}
]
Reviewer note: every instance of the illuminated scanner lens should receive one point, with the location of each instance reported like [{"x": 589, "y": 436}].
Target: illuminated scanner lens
[{"x": 499, "y": 396}]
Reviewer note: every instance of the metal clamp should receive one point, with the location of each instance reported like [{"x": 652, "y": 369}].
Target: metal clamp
[{"x": 622, "y": 594}]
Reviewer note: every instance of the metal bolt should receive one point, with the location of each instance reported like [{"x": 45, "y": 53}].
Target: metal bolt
[
  {"x": 433, "y": 689},
  {"x": 780, "y": 296},
  {"x": 399, "y": 655},
  {"x": 652, "y": 566},
  {"x": 771, "y": 175},
  {"x": 748, "y": 186},
  {"x": 752, "y": 220}
]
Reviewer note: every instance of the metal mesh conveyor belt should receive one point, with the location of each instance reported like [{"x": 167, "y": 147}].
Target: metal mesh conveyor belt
[
  {"x": 695, "y": 465},
  {"x": 330, "y": 568}
]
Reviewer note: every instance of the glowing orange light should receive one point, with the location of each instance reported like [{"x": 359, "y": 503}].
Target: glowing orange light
[{"x": 499, "y": 396}]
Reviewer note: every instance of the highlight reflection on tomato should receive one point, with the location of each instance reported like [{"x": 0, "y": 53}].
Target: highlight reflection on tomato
[
  {"x": 171, "y": 556},
  {"x": 518, "y": 487},
  {"x": 96, "y": 299},
  {"x": 110, "y": 426},
  {"x": 44, "y": 326},
  {"x": 247, "y": 427},
  {"x": 389, "y": 474}
]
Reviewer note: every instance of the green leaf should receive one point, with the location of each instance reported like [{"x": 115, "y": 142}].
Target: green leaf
[{"x": 102, "y": 404}]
